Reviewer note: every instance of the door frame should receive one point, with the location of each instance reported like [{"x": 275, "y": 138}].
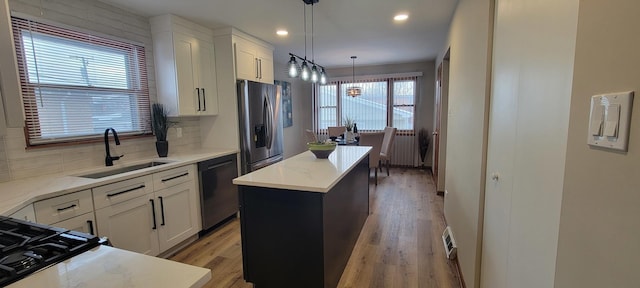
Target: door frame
[{"x": 439, "y": 134}]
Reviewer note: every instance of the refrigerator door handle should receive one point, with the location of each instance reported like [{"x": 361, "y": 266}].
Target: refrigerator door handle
[{"x": 266, "y": 119}]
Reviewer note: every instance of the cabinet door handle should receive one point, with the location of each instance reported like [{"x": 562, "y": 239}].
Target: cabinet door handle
[
  {"x": 204, "y": 101},
  {"x": 260, "y": 69},
  {"x": 66, "y": 208},
  {"x": 90, "y": 223},
  {"x": 198, "y": 90},
  {"x": 153, "y": 211},
  {"x": 161, "y": 211},
  {"x": 174, "y": 177},
  {"x": 125, "y": 191},
  {"x": 257, "y": 69}
]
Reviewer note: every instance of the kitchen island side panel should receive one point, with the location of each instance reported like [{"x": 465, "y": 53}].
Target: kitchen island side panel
[
  {"x": 294, "y": 238},
  {"x": 345, "y": 210},
  {"x": 281, "y": 237}
]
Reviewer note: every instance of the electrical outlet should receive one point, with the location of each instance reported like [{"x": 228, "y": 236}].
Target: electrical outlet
[{"x": 178, "y": 132}]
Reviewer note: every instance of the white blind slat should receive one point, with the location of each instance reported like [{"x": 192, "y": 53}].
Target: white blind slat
[{"x": 75, "y": 85}]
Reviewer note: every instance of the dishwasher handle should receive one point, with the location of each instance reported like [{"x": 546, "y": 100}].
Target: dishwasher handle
[{"x": 225, "y": 163}]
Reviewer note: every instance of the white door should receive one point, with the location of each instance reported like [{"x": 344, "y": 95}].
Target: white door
[
  {"x": 186, "y": 51},
  {"x": 500, "y": 163},
  {"x": 246, "y": 67},
  {"x": 265, "y": 58},
  {"x": 177, "y": 214},
  {"x": 131, "y": 225},
  {"x": 207, "y": 81}
]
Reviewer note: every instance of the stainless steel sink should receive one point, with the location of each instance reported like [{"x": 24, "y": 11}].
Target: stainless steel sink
[{"x": 120, "y": 170}]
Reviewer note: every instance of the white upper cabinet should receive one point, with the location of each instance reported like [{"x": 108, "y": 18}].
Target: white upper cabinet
[
  {"x": 253, "y": 61},
  {"x": 185, "y": 66},
  {"x": 10, "y": 101}
]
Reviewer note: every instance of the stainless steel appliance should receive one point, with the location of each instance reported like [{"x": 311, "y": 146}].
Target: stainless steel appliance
[
  {"x": 218, "y": 195},
  {"x": 259, "y": 107},
  {"x": 27, "y": 247}
]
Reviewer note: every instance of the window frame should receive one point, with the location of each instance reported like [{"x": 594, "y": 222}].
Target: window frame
[
  {"x": 137, "y": 82},
  {"x": 390, "y": 81}
]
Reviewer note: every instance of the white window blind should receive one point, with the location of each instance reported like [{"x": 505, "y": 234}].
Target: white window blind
[
  {"x": 383, "y": 102},
  {"x": 75, "y": 85}
]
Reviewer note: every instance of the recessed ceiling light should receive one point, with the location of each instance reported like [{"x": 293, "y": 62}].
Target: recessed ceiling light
[
  {"x": 282, "y": 32},
  {"x": 401, "y": 17}
]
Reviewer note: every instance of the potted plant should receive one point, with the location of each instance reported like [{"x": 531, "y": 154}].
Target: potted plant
[
  {"x": 348, "y": 123},
  {"x": 160, "y": 125},
  {"x": 423, "y": 144}
]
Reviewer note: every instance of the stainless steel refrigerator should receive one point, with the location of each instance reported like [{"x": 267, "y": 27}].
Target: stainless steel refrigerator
[{"x": 260, "y": 116}]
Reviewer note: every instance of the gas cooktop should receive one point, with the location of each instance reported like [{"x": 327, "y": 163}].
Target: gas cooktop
[{"x": 27, "y": 247}]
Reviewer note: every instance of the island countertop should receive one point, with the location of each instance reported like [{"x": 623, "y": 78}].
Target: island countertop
[
  {"x": 106, "y": 266},
  {"x": 304, "y": 172}
]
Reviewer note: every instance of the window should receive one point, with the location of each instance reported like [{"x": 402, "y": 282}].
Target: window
[
  {"x": 75, "y": 85},
  {"x": 377, "y": 107}
]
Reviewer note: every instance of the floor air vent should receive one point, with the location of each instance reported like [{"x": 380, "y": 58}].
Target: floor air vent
[{"x": 449, "y": 243}]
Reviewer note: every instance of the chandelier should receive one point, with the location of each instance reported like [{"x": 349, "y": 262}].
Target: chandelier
[
  {"x": 354, "y": 90},
  {"x": 316, "y": 72}
]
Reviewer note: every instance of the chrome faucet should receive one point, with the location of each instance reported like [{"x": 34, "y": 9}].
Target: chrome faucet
[{"x": 108, "y": 161}]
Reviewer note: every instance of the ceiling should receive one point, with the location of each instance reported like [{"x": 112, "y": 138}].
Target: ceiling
[{"x": 342, "y": 28}]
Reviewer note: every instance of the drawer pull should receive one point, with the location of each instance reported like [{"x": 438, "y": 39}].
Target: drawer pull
[
  {"x": 175, "y": 177},
  {"x": 66, "y": 208},
  {"x": 125, "y": 191}
]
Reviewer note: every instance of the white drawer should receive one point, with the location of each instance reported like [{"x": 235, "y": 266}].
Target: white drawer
[
  {"x": 113, "y": 193},
  {"x": 63, "y": 207},
  {"x": 172, "y": 177}
]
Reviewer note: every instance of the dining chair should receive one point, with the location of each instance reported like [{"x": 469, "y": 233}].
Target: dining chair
[
  {"x": 311, "y": 136},
  {"x": 373, "y": 139},
  {"x": 336, "y": 131},
  {"x": 387, "y": 147}
]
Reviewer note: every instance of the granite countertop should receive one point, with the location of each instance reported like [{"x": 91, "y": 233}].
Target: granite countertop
[
  {"x": 106, "y": 266},
  {"x": 14, "y": 195},
  {"x": 304, "y": 172}
]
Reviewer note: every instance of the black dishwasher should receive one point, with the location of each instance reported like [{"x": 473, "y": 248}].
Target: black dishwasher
[{"x": 218, "y": 195}]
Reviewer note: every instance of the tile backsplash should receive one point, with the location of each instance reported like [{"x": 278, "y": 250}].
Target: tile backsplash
[{"x": 16, "y": 162}]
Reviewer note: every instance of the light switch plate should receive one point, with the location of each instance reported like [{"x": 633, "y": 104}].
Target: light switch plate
[{"x": 612, "y": 112}]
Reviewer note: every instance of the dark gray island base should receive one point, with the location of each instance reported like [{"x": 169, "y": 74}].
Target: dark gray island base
[{"x": 294, "y": 238}]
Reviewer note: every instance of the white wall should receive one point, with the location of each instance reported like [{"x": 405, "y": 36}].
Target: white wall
[
  {"x": 17, "y": 163},
  {"x": 534, "y": 44},
  {"x": 302, "y": 99},
  {"x": 469, "y": 39},
  {"x": 599, "y": 239}
]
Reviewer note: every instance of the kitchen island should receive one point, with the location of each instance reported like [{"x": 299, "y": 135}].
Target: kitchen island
[{"x": 300, "y": 218}]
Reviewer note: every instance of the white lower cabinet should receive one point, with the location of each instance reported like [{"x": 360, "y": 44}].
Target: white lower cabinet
[
  {"x": 130, "y": 225},
  {"x": 152, "y": 223},
  {"x": 27, "y": 213},
  {"x": 176, "y": 214},
  {"x": 84, "y": 223}
]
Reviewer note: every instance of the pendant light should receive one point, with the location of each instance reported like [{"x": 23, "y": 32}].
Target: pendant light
[
  {"x": 317, "y": 72},
  {"x": 354, "y": 90}
]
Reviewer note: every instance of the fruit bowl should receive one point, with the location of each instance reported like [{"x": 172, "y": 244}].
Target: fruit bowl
[{"x": 321, "y": 150}]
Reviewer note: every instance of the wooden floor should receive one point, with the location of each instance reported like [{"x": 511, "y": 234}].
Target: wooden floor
[{"x": 399, "y": 246}]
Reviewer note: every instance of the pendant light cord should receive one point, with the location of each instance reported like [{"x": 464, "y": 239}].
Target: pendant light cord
[
  {"x": 305, "y": 31},
  {"x": 313, "y": 58}
]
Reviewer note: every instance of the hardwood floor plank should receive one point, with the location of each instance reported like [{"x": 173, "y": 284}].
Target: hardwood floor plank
[{"x": 399, "y": 245}]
